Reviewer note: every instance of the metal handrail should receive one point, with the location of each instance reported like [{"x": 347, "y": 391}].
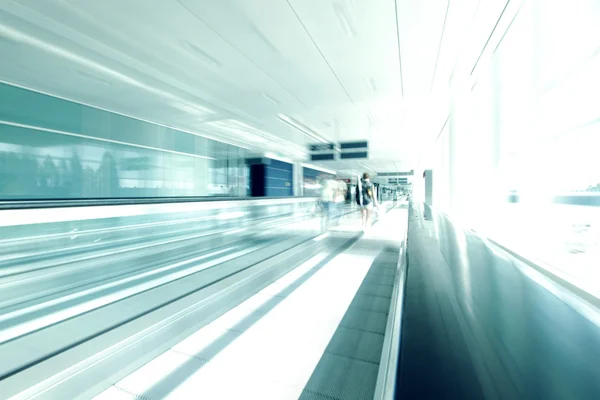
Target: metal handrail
[
  {"x": 15, "y": 204},
  {"x": 390, "y": 356},
  {"x": 63, "y": 213}
]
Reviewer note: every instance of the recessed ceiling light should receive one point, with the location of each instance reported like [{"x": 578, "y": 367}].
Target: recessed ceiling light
[
  {"x": 91, "y": 77},
  {"x": 372, "y": 84},
  {"x": 343, "y": 19},
  {"x": 199, "y": 53},
  {"x": 365, "y": 166},
  {"x": 298, "y": 126},
  {"x": 270, "y": 99},
  {"x": 193, "y": 109},
  {"x": 265, "y": 40}
]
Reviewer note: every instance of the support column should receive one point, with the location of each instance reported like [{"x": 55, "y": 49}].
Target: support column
[
  {"x": 428, "y": 175},
  {"x": 270, "y": 177},
  {"x": 258, "y": 180},
  {"x": 298, "y": 179}
]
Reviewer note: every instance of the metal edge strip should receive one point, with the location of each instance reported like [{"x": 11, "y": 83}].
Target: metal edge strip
[
  {"x": 26, "y": 216},
  {"x": 388, "y": 366},
  {"x": 552, "y": 275},
  {"x": 15, "y": 204}
]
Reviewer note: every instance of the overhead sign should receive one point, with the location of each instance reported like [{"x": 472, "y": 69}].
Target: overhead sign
[
  {"x": 322, "y": 157},
  {"x": 354, "y": 145},
  {"x": 354, "y": 150},
  {"x": 354, "y": 155},
  {"x": 321, "y": 147},
  {"x": 321, "y": 152},
  {"x": 409, "y": 173}
]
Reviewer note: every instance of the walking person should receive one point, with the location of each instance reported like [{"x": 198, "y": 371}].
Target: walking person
[{"x": 366, "y": 200}]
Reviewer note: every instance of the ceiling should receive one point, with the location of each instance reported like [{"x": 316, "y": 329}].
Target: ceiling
[{"x": 236, "y": 69}]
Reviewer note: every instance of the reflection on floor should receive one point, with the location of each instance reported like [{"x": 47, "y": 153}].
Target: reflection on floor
[{"x": 563, "y": 238}]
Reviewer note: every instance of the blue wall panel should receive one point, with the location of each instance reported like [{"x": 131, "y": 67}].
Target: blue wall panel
[{"x": 279, "y": 178}]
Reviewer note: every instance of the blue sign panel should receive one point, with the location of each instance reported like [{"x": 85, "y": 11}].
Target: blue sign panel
[
  {"x": 353, "y": 145},
  {"x": 321, "y": 147},
  {"x": 356, "y": 154},
  {"x": 322, "y": 157}
]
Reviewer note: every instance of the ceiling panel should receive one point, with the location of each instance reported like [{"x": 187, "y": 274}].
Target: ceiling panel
[
  {"x": 358, "y": 41},
  {"x": 278, "y": 44},
  {"x": 420, "y": 26},
  {"x": 268, "y": 34},
  {"x": 459, "y": 22},
  {"x": 227, "y": 68},
  {"x": 91, "y": 65}
]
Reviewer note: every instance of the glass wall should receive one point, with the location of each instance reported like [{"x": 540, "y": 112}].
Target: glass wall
[
  {"x": 524, "y": 138},
  {"x": 311, "y": 181},
  {"x": 228, "y": 173},
  {"x": 55, "y": 149}
]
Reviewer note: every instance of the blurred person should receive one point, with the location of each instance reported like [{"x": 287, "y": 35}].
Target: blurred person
[
  {"x": 339, "y": 199},
  {"x": 366, "y": 200},
  {"x": 328, "y": 193},
  {"x": 342, "y": 188}
]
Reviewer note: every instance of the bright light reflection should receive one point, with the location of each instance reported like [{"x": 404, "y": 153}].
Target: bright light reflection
[{"x": 277, "y": 354}]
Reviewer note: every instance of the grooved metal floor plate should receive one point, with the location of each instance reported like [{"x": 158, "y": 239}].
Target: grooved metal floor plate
[
  {"x": 373, "y": 279},
  {"x": 365, "y": 302},
  {"x": 365, "y": 320},
  {"x": 348, "y": 369},
  {"x": 376, "y": 290},
  {"x": 342, "y": 378},
  {"x": 356, "y": 345}
]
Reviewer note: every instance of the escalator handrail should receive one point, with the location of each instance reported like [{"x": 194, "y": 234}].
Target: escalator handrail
[
  {"x": 80, "y": 210},
  {"x": 390, "y": 356},
  {"x": 16, "y": 204}
]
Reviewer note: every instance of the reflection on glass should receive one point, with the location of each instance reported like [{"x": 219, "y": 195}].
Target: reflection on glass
[
  {"x": 519, "y": 157},
  {"x": 38, "y": 163}
]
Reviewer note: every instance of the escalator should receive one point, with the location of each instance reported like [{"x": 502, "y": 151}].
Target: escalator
[
  {"x": 85, "y": 313},
  {"x": 316, "y": 332}
]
